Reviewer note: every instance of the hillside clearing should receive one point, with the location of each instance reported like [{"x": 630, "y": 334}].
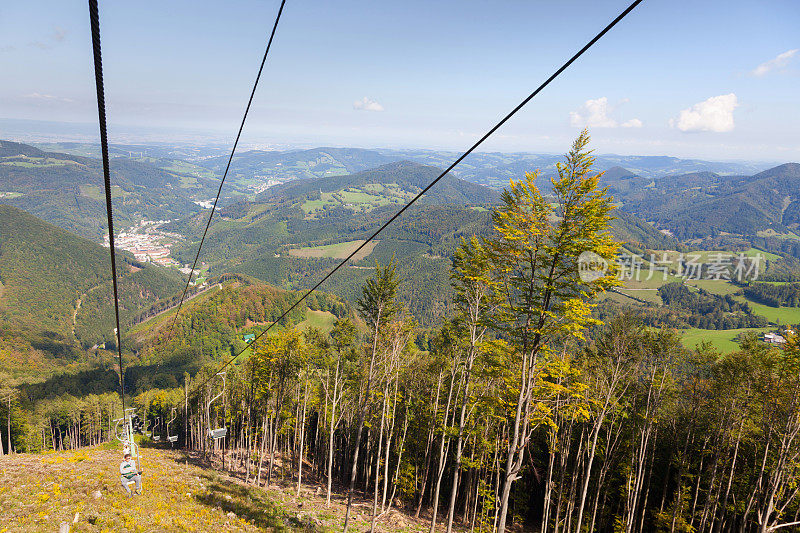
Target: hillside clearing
[
  {"x": 322, "y": 320},
  {"x": 335, "y": 251},
  {"x": 724, "y": 340}
]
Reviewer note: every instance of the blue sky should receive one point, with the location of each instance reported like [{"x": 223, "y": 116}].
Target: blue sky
[{"x": 709, "y": 79}]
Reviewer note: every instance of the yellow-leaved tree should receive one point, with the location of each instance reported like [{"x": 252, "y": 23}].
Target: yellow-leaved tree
[{"x": 539, "y": 246}]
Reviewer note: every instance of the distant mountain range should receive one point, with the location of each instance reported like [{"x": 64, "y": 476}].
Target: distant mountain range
[
  {"x": 67, "y": 190},
  {"x": 488, "y": 168},
  {"x": 325, "y": 203},
  {"x": 492, "y": 169},
  {"x": 690, "y": 198}
]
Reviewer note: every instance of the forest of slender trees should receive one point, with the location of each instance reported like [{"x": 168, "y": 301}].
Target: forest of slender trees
[{"x": 521, "y": 410}]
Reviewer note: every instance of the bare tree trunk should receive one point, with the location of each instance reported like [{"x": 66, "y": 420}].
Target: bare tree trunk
[
  {"x": 263, "y": 451},
  {"x": 399, "y": 462},
  {"x": 361, "y": 416},
  {"x": 389, "y": 449},
  {"x": 378, "y": 457},
  {"x": 442, "y": 450},
  {"x": 332, "y": 429},
  {"x": 429, "y": 447},
  {"x": 462, "y": 421},
  {"x": 302, "y": 438}
]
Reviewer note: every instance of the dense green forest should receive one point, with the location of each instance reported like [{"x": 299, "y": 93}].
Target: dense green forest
[
  {"x": 56, "y": 293},
  {"x": 709, "y": 311},
  {"x": 784, "y": 295}
]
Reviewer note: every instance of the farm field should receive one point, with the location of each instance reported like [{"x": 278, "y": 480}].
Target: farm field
[
  {"x": 96, "y": 193},
  {"x": 366, "y": 198},
  {"x": 335, "y": 251},
  {"x": 648, "y": 295},
  {"x": 708, "y": 256},
  {"x": 723, "y": 340},
  {"x": 776, "y": 315},
  {"x": 37, "y": 162},
  {"x": 713, "y": 286}
]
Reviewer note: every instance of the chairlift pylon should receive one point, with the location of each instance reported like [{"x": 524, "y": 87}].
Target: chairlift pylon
[
  {"x": 219, "y": 433},
  {"x": 172, "y": 438}
]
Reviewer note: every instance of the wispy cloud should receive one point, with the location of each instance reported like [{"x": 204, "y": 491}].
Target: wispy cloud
[
  {"x": 776, "y": 63},
  {"x": 59, "y": 35},
  {"x": 367, "y": 104},
  {"x": 714, "y": 114},
  {"x": 597, "y": 114},
  {"x": 38, "y": 97}
]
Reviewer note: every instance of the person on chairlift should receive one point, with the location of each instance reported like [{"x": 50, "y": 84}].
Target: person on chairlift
[{"x": 128, "y": 473}]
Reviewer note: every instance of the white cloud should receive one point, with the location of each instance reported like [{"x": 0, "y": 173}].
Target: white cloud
[
  {"x": 778, "y": 62},
  {"x": 46, "y": 98},
  {"x": 596, "y": 114},
  {"x": 714, "y": 114},
  {"x": 367, "y": 105}
]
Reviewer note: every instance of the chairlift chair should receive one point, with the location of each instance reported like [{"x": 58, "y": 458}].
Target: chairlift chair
[
  {"x": 172, "y": 438},
  {"x": 156, "y": 438},
  {"x": 219, "y": 433}
]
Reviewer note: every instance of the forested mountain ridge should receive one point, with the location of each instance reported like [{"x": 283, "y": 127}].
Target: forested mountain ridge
[
  {"x": 56, "y": 287},
  {"x": 701, "y": 205},
  {"x": 67, "y": 190},
  {"x": 299, "y": 164}
]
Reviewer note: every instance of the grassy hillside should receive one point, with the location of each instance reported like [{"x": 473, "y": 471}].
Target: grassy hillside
[
  {"x": 82, "y": 490},
  {"x": 180, "y": 493}
]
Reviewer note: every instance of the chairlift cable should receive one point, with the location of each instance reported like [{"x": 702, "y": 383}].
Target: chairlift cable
[
  {"x": 228, "y": 166},
  {"x": 402, "y": 210},
  {"x": 94, "y": 17}
]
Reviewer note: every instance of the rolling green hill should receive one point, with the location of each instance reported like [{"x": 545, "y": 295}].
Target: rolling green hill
[
  {"x": 56, "y": 288},
  {"x": 705, "y": 204},
  {"x": 67, "y": 190},
  {"x": 404, "y": 175}
]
